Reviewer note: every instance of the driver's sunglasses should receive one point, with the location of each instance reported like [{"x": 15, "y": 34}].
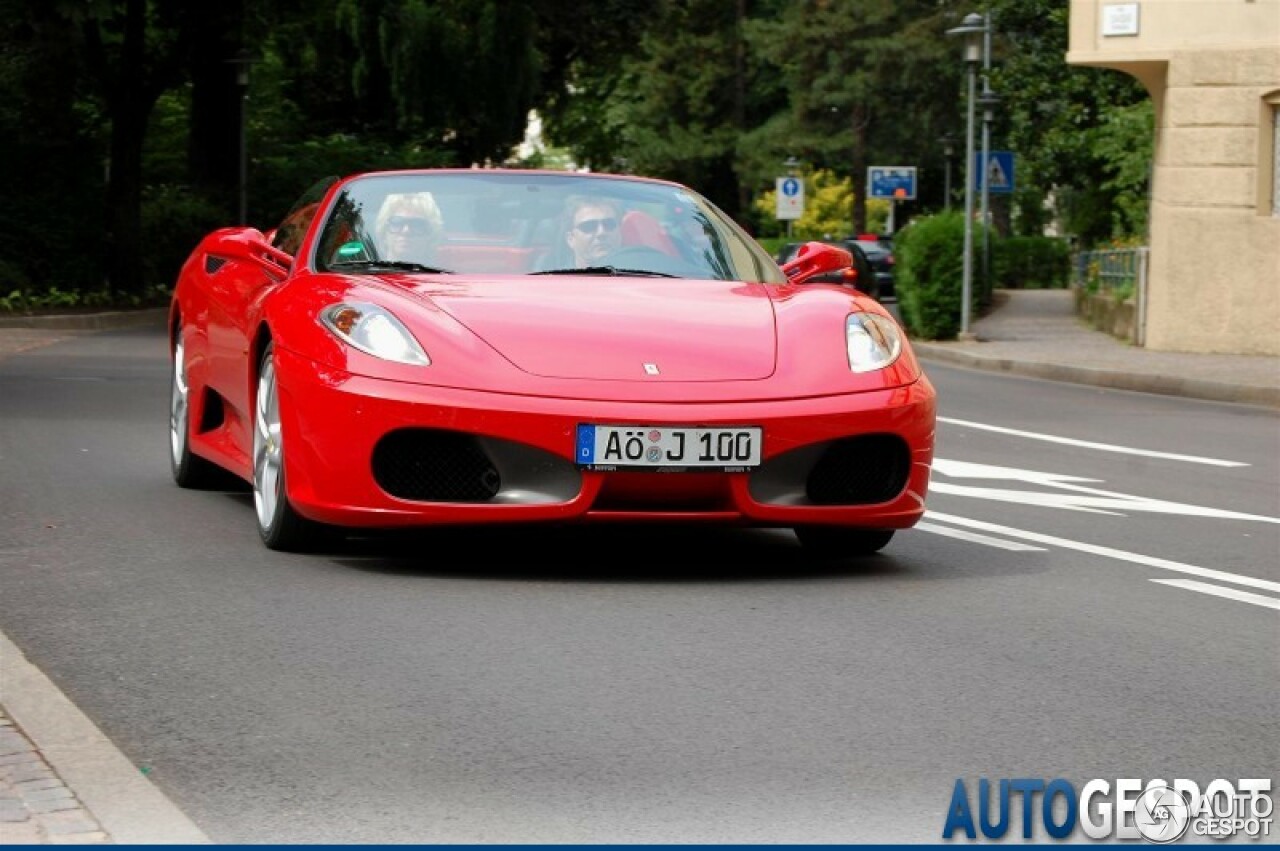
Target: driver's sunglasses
[
  {"x": 594, "y": 226},
  {"x": 407, "y": 224}
]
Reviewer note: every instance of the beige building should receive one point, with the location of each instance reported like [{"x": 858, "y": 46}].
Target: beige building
[{"x": 1213, "y": 70}]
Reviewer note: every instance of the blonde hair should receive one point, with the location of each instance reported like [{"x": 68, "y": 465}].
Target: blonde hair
[{"x": 421, "y": 204}]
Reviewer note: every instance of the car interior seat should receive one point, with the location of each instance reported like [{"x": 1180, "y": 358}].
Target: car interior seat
[{"x": 640, "y": 228}]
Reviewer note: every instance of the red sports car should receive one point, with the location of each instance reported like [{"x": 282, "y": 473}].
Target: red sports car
[{"x": 494, "y": 346}]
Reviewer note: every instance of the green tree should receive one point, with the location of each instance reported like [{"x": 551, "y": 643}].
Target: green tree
[
  {"x": 53, "y": 159},
  {"x": 869, "y": 82},
  {"x": 680, "y": 104},
  {"x": 1123, "y": 144},
  {"x": 1053, "y": 112},
  {"x": 460, "y": 73}
]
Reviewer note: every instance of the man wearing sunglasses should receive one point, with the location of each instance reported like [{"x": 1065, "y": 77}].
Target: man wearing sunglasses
[{"x": 593, "y": 231}]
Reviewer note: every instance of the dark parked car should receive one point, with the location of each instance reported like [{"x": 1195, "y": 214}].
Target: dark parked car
[
  {"x": 880, "y": 255},
  {"x": 861, "y": 275}
]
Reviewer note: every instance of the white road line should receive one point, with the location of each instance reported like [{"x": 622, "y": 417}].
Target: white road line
[
  {"x": 1088, "y": 444},
  {"x": 1108, "y": 552},
  {"x": 1219, "y": 591},
  {"x": 977, "y": 538}
]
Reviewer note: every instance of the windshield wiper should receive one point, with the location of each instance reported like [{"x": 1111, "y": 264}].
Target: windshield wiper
[
  {"x": 606, "y": 270},
  {"x": 382, "y": 265}
]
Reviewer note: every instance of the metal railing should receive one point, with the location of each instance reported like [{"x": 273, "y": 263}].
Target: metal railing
[{"x": 1120, "y": 272}]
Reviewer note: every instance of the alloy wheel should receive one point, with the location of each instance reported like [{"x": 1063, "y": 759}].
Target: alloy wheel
[{"x": 268, "y": 451}]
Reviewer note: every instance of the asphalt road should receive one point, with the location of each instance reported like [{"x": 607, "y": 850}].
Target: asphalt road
[{"x": 654, "y": 685}]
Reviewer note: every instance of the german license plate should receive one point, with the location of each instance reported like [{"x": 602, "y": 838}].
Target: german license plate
[{"x": 728, "y": 449}]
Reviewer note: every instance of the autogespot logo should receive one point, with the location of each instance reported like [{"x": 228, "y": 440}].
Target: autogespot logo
[
  {"x": 1156, "y": 811},
  {"x": 1162, "y": 814}
]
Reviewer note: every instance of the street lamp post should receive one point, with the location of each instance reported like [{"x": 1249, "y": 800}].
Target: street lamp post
[
  {"x": 972, "y": 28},
  {"x": 948, "y": 149},
  {"x": 243, "y": 60},
  {"x": 988, "y": 101}
]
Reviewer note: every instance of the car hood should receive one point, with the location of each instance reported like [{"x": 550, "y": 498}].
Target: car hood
[{"x": 639, "y": 329}]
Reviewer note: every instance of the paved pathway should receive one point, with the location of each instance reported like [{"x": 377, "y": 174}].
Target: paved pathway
[
  {"x": 1037, "y": 333},
  {"x": 36, "y": 807}
]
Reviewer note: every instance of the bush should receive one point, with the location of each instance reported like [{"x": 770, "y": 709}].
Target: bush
[
  {"x": 174, "y": 220},
  {"x": 772, "y": 244},
  {"x": 929, "y": 275},
  {"x": 1030, "y": 262}
]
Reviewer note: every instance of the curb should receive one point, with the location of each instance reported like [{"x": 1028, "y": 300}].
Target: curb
[
  {"x": 1167, "y": 385},
  {"x": 87, "y": 321},
  {"x": 130, "y": 808}
]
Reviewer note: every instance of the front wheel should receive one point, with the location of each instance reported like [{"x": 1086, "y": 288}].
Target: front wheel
[
  {"x": 841, "y": 541},
  {"x": 189, "y": 469},
  {"x": 280, "y": 526}
]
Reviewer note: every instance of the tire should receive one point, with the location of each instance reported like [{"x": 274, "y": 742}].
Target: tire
[
  {"x": 840, "y": 541},
  {"x": 279, "y": 525},
  {"x": 189, "y": 470}
]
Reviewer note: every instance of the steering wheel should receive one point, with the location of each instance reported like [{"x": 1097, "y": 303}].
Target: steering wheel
[
  {"x": 636, "y": 254},
  {"x": 647, "y": 258}
]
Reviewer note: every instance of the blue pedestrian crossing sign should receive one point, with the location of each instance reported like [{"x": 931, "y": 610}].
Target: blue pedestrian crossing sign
[{"x": 997, "y": 173}]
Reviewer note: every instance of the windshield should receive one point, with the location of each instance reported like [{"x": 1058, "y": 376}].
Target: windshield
[
  {"x": 524, "y": 223},
  {"x": 874, "y": 250}
]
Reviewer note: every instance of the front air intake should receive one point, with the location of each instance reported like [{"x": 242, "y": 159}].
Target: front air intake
[
  {"x": 860, "y": 470},
  {"x": 429, "y": 465}
]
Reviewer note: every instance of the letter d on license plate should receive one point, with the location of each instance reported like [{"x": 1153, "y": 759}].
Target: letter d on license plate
[{"x": 731, "y": 449}]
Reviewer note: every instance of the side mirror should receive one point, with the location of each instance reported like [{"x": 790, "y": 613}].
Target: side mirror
[
  {"x": 816, "y": 258},
  {"x": 249, "y": 245}
]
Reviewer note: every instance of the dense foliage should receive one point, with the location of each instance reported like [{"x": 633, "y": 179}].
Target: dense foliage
[
  {"x": 1030, "y": 262},
  {"x": 928, "y": 279},
  {"x": 126, "y": 114}
]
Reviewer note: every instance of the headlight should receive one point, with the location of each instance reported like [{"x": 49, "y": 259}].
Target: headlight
[
  {"x": 873, "y": 341},
  {"x": 374, "y": 330}
]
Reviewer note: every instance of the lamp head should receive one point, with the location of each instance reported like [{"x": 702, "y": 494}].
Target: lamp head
[{"x": 972, "y": 29}]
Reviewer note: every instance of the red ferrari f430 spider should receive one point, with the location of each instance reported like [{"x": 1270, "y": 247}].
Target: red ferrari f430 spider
[{"x": 426, "y": 347}]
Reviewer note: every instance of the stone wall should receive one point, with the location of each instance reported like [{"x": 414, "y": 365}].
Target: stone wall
[{"x": 1104, "y": 313}]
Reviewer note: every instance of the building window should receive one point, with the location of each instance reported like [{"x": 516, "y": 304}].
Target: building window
[
  {"x": 1275, "y": 159},
  {"x": 1269, "y": 155}
]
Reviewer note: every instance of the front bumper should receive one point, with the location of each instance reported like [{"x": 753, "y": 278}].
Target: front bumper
[{"x": 333, "y": 423}]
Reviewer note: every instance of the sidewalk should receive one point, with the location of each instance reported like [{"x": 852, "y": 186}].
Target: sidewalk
[
  {"x": 62, "y": 782},
  {"x": 1036, "y": 333}
]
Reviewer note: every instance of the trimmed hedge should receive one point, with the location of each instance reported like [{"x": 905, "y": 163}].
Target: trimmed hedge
[
  {"x": 929, "y": 275},
  {"x": 1030, "y": 262}
]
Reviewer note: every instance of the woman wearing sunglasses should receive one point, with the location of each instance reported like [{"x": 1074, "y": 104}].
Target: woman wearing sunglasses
[{"x": 409, "y": 227}]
